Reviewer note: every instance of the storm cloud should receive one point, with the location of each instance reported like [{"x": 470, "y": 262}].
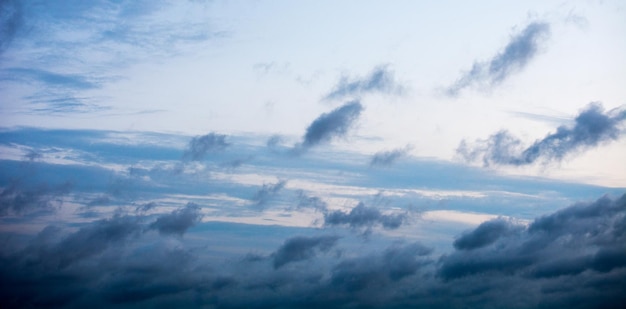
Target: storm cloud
[
  {"x": 514, "y": 57},
  {"x": 302, "y": 248},
  {"x": 333, "y": 124},
  {"x": 363, "y": 216},
  {"x": 380, "y": 80},
  {"x": 200, "y": 146},
  {"x": 592, "y": 128}
]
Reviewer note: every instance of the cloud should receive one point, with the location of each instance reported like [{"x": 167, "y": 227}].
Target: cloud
[
  {"x": 267, "y": 193},
  {"x": 373, "y": 271},
  {"x": 380, "y": 80},
  {"x": 178, "y": 221},
  {"x": 19, "y": 198},
  {"x": 387, "y": 158},
  {"x": 11, "y": 22},
  {"x": 302, "y": 248},
  {"x": 327, "y": 126},
  {"x": 592, "y": 127},
  {"x": 200, "y": 146},
  {"x": 485, "y": 234},
  {"x": 362, "y": 216},
  {"x": 50, "y": 79},
  {"x": 520, "y": 50}
]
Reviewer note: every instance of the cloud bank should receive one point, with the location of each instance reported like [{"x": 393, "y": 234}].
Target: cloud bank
[
  {"x": 514, "y": 57},
  {"x": 592, "y": 128}
]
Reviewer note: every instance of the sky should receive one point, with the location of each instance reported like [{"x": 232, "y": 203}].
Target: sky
[{"x": 337, "y": 154}]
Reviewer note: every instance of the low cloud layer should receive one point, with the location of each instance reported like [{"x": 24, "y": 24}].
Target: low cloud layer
[
  {"x": 592, "y": 128},
  {"x": 573, "y": 258},
  {"x": 199, "y": 147},
  {"x": 333, "y": 124},
  {"x": 514, "y": 57},
  {"x": 380, "y": 80}
]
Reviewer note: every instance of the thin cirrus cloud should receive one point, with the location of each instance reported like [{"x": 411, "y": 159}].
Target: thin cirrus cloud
[
  {"x": 514, "y": 57},
  {"x": 380, "y": 80},
  {"x": 592, "y": 128},
  {"x": 331, "y": 125}
]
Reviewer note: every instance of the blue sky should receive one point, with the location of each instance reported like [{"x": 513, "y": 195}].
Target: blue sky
[{"x": 274, "y": 154}]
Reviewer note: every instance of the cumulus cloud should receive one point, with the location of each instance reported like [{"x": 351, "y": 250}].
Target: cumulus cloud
[
  {"x": 520, "y": 50},
  {"x": 485, "y": 234},
  {"x": 200, "y": 146},
  {"x": 327, "y": 126},
  {"x": 178, "y": 221},
  {"x": 592, "y": 127},
  {"x": 387, "y": 158},
  {"x": 365, "y": 217},
  {"x": 302, "y": 248},
  {"x": 380, "y": 80}
]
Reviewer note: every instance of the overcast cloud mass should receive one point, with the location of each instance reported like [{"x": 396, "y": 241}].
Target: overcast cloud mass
[{"x": 282, "y": 154}]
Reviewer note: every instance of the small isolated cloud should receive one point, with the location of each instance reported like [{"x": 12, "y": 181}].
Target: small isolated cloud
[
  {"x": 380, "y": 80},
  {"x": 302, "y": 248},
  {"x": 327, "y": 126},
  {"x": 365, "y": 217},
  {"x": 178, "y": 221},
  {"x": 200, "y": 146},
  {"x": 267, "y": 193},
  {"x": 387, "y": 158},
  {"x": 592, "y": 128},
  {"x": 522, "y": 48}
]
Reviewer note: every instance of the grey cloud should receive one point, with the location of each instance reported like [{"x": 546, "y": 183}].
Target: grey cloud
[
  {"x": 178, "y": 221},
  {"x": 11, "y": 22},
  {"x": 267, "y": 193},
  {"x": 582, "y": 237},
  {"x": 327, "y": 126},
  {"x": 362, "y": 216},
  {"x": 200, "y": 146},
  {"x": 485, "y": 234},
  {"x": 302, "y": 248},
  {"x": 387, "y": 158},
  {"x": 20, "y": 198},
  {"x": 592, "y": 128},
  {"x": 380, "y": 80},
  {"x": 522, "y": 48}
]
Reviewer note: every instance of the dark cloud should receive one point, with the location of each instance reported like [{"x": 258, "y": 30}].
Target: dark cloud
[
  {"x": 592, "y": 128},
  {"x": 200, "y": 146},
  {"x": 302, "y": 248},
  {"x": 362, "y": 216},
  {"x": 380, "y": 80},
  {"x": 327, "y": 126},
  {"x": 485, "y": 234},
  {"x": 372, "y": 272},
  {"x": 267, "y": 193},
  {"x": 178, "y": 221},
  {"x": 387, "y": 158},
  {"x": 21, "y": 198},
  {"x": 522, "y": 48}
]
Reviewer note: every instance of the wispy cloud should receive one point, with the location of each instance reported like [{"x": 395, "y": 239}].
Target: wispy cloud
[
  {"x": 387, "y": 158},
  {"x": 380, "y": 80},
  {"x": 514, "y": 57},
  {"x": 267, "y": 193},
  {"x": 328, "y": 126},
  {"x": 592, "y": 127},
  {"x": 200, "y": 146}
]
